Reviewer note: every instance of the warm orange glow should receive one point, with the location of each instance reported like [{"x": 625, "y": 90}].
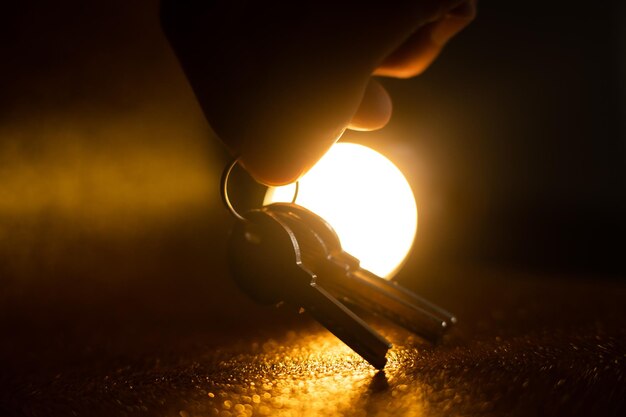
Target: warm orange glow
[
  {"x": 366, "y": 199},
  {"x": 312, "y": 373}
]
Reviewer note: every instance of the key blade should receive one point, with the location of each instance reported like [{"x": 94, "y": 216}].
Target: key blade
[
  {"x": 299, "y": 288},
  {"x": 389, "y": 300},
  {"x": 346, "y": 325},
  {"x": 341, "y": 275}
]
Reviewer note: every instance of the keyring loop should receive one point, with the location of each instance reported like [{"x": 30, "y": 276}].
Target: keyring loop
[{"x": 224, "y": 190}]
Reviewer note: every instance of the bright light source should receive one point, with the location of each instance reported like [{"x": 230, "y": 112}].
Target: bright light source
[{"x": 366, "y": 199}]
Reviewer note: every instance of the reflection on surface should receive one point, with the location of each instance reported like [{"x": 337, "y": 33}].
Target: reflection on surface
[
  {"x": 312, "y": 374},
  {"x": 537, "y": 347}
]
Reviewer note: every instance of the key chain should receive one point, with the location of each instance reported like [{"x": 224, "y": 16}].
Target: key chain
[{"x": 284, "y": 252}]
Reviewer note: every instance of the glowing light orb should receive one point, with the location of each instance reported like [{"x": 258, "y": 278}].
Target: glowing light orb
[{"x": 366, "y": 199}]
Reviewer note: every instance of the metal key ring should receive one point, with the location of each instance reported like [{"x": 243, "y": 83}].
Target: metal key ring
[{"x": 224, "y": 190}]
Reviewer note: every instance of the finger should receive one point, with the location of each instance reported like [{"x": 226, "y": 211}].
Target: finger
[
  {"x": 421, "y": 48},
  {"x": 279, "y": 86},
  {"x": 375, "y": 109},
  {"x": 284, "y": 157}
]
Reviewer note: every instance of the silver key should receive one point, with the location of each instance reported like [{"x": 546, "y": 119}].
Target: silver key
[
  {"x": 267, "y": 262},
  {"x": 341, "y": 274},
  {"x": 284, "y": 252}
]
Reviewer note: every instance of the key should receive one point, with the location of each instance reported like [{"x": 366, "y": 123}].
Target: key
[
  {"x": 341, "y": 274},
  {"x": 284, "y": 252},
  {"x": 268, "y": 264}
]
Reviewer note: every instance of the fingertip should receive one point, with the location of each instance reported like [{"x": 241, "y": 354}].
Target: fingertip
[
  {"x": 274, "y": 170},
  {"x": 283, "y": 160},
  {"x": 375, "y": 108},
  {"x": 286, "y": 161},
  {"x": 275, "y": 176}
]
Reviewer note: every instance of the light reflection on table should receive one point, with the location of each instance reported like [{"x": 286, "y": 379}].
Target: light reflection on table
[{"x": 311, "y": 373}]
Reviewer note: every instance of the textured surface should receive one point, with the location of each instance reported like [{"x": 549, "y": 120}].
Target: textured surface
[
  {"x": 524, "y": 346},
  {"x": 113, "y": 295}
]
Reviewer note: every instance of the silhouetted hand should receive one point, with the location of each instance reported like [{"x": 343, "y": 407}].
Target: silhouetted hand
[{"x": 279, "y": 82}]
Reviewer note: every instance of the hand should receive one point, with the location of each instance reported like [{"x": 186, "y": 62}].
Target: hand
[{"x": 279, "y": 83}]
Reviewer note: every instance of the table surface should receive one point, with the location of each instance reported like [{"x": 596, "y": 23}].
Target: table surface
[
  {"x": 526, "y": 344},
  {"x": 114, "y": 296}
]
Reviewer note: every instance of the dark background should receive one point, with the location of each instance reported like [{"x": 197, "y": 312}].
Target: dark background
[
  {"x": 520, "y": 125},
  {"x": 112, "y": 233}
]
